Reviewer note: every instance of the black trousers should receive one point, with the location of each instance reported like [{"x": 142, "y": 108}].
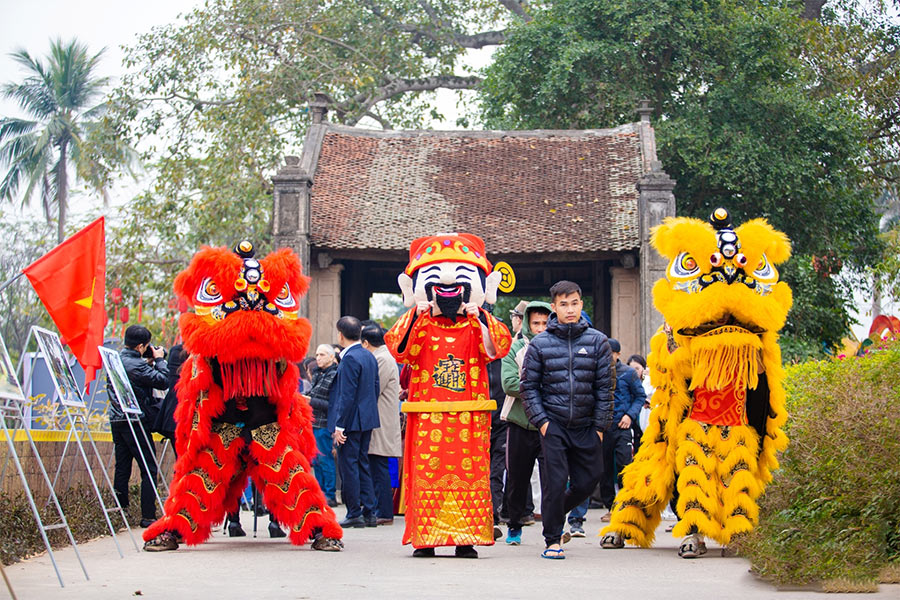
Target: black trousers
[
  {"x": 357, "y": 490},
  {"x": 617, "y": 453},
  {"x": 498, "y": 466},
  {"x": 573, "y": 457},
  {"x": 381, "y": 481},
  {"x": 523, "y": 447},
  {"x": 638, "y": 434},
  {"x": 126, "y": 449}
]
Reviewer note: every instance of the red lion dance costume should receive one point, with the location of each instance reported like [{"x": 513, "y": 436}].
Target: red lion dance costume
[
  {"x": 239, "y": 412},
  {"x": 447, "y": 340}
]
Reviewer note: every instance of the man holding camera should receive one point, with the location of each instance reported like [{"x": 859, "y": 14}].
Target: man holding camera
[{"x": 147, "y": 370}]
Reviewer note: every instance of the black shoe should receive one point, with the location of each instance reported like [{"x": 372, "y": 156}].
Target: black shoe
[
  {"x": 332, "y": 502},
  {"x": 498, "y": 533},
  {"x": 423, "y": 553},
  {"x": 354, "y": 522},
  {"x": 466, "y": 552},
  {"x": 275, "y": 531},
  {"x": 371, "y": 521},
  {"x": 235, "y": 530},
  {"x": 147, "y": 522}
]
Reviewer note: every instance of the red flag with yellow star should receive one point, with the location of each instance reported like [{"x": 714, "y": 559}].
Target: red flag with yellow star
[{"x": 71, "y": 282}]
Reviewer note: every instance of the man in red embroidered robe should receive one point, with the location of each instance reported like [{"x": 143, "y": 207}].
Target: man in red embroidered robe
[{"x": 447, "y": 339}]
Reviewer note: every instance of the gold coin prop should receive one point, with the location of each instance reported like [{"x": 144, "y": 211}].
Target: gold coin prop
[{"x": 508, "y": 282}]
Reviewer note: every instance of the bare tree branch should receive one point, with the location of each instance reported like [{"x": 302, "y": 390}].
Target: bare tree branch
[
  {"x": 480, "y": 40},
  {"x": 149, "y": 261},
  {"x": 362, "y": 103},
  {"x": 517, "y": 7},
  {"x": 883, "y": 60},
  {"x": 385, "y": 124},
  {"x": 886, "y": 161},
  {"x": 812, "y": 9},
  {"x": 442, "y": 31}
]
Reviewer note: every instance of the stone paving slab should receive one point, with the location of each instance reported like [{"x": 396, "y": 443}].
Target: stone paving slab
[{"x": 375, "y": 565}]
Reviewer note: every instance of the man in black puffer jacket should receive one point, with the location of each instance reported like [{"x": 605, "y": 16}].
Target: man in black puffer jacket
[{"x": 567, "y": 390}]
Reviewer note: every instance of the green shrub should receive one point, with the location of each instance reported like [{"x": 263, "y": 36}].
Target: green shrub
[
  {"x": 21, "y": 538},
  {"x": 832, "y": 512}
]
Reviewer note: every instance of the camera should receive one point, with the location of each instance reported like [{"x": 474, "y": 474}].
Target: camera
[{"x": 148, "y": 352}]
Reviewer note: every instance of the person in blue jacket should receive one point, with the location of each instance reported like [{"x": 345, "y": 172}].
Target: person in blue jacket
[
  {"x": 355, "y": 397},
  {"x": 618, "y": 439}
]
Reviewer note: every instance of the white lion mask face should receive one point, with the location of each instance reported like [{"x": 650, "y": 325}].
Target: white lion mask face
[{"x": 448, "y": 284}]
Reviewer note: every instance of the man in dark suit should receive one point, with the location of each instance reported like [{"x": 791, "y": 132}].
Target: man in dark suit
[{"x": 356, "y": 389}]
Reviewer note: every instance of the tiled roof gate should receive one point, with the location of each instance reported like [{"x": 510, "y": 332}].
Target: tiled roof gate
[
  {"x": 523, "y": 192},
  {"x": 587, "y": 197}
]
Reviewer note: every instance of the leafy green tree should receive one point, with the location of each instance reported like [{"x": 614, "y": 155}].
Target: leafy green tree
[
  {"x": 59, "y": 95},
  {"x": 745, "y": 114},
  {"x": 216, "y": 100}
]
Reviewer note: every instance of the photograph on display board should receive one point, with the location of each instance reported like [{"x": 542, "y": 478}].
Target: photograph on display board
[
  {"x": 115, "y": 372},
  {"x": 9, "y": 383},
  {"x": 60, "y": 371}
]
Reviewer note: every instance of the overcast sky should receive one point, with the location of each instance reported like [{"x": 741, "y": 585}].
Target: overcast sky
[{"x": 30, "y": 24}]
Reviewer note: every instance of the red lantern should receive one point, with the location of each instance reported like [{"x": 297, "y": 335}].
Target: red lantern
[
  {"x": 182, "y": 305},
  {"x": 123, "y": 314},
  {"x": 115, "y": 295}
]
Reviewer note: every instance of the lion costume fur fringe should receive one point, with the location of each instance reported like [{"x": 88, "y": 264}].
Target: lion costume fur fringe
[{"x": 718, "y": 336}]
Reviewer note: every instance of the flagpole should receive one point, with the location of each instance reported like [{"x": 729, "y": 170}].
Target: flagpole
[{"x": 10, "y": 281}]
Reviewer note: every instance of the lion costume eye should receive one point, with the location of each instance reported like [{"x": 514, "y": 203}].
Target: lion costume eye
[
  {"x": 683, "y": 266},
  {"x": 765, "y": 271},
  {"x": 285, "y": 299},
  {"x": 208, "y": 292}
]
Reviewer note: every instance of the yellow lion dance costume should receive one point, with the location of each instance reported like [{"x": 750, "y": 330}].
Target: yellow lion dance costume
[{"x": 718, "y": 408}]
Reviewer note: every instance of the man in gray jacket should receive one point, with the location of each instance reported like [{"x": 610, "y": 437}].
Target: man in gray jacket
[{"x": 386, "y": 440}]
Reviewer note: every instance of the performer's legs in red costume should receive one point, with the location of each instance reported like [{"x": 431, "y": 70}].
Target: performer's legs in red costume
[
  {"x": 289, "y": 488},
  {"x": 207, "y": 479}
]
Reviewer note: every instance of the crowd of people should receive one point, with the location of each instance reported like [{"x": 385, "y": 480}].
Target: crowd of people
[
  {"x": 568, "y": 420},
  {"x": 553, "y": 454}
]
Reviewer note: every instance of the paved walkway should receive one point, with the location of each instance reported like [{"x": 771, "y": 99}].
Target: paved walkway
[{"x": 374, "y": 565}]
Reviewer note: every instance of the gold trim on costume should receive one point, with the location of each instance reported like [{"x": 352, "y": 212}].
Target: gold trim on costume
[{"x": 433, "y": 407}]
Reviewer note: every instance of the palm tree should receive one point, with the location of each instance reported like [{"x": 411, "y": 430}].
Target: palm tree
[{"x": 58, "y": 96}]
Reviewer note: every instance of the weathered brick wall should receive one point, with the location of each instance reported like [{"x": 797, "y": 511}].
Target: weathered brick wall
[{"x": 73, "y": 471}]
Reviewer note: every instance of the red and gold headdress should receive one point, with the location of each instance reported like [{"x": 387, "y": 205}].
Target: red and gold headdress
[{"x": 455, "y": 247}]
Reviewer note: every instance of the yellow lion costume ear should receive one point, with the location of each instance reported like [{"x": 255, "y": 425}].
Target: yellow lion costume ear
[
  {"x": 684, "y": 234},
  {"x": 758, "y": 237}
]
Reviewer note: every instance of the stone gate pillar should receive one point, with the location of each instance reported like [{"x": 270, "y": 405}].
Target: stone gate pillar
[
  {"x": 655, "y": 203},
  {"x": 290, "y": 216}
]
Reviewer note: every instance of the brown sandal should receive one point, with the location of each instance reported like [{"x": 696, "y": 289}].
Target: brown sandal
[
  {"x": 162, "y": 543},
  {"x": 612, "y": 541},
  {"x": 325, "y": 544}
]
